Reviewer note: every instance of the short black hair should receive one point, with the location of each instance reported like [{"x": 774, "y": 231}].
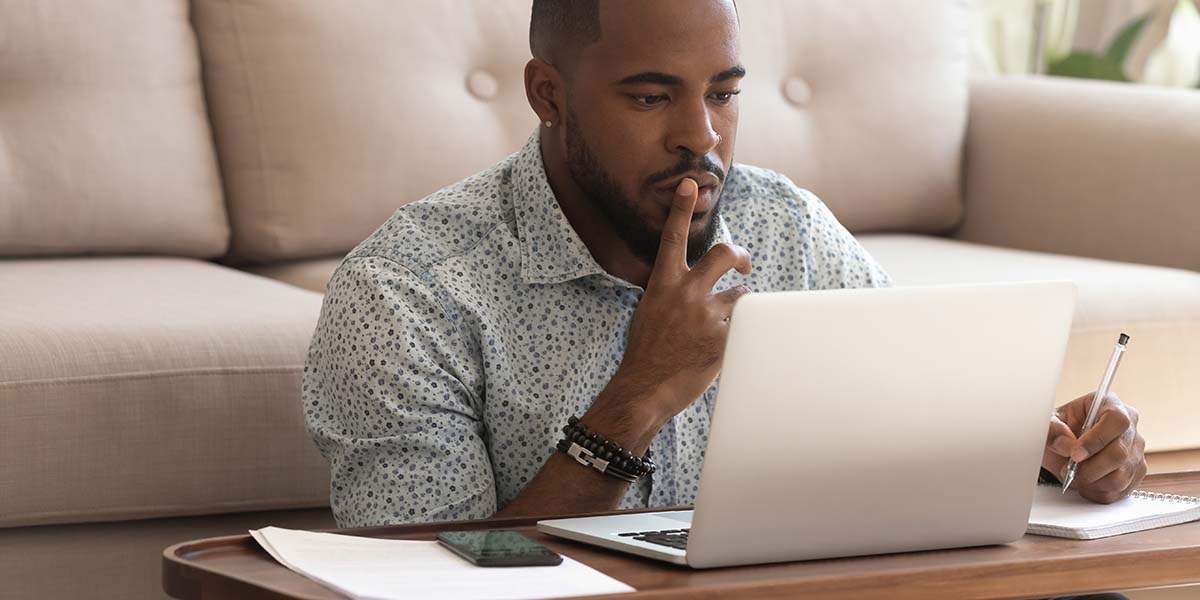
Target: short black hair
[{"x": 559, "y": 29}]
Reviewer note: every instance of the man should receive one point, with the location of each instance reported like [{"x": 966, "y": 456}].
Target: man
[{"x": 590, "y": 274}]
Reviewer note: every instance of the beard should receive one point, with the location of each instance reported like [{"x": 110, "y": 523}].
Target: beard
[{"x": 602, "y": 190}]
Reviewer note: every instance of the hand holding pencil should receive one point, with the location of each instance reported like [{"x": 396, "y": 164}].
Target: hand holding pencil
[{"x": 1098, "y": 434}]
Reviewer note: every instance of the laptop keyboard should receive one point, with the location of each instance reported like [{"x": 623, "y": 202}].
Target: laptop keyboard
[{"x": 673, "y": 538}]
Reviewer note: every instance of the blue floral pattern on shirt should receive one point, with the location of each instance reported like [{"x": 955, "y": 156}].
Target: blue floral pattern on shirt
[{"x": 457, "y": 339}]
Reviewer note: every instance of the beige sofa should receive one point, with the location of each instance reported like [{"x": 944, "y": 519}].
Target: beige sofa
[{"x": 177, "y": 181}]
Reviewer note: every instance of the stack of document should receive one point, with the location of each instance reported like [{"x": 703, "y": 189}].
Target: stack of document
[{"x": 379, "y": 569}]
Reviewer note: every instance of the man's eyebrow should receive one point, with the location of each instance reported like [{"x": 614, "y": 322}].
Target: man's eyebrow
[
  {"x": 651, "y": 77},
  {"x": 727, "y": 74},
  {"x": 665, "y": 79}
]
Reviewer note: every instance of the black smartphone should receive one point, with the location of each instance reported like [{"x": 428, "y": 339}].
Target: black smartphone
[{"x": 498, "y": 549}]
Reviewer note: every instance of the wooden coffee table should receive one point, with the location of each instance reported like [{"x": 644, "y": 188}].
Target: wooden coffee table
[{"x": 1033, "y": 567}]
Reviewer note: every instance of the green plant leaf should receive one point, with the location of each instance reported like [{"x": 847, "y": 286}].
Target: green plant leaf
[
  {"x": 1118, "y": 49},
  {"x": 1087, "y": 66}
]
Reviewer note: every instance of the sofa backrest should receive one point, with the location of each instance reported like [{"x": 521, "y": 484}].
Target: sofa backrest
[
  {"x": 863, "y": 102},
  {"x": 104, "y": 138},
  {"x": 330, "y": 115}
]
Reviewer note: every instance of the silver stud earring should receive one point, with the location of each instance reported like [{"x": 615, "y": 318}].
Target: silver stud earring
[{"x": 549, "y": 124}]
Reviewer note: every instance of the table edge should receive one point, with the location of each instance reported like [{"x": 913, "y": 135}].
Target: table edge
[{"x": 175, "y": 558}]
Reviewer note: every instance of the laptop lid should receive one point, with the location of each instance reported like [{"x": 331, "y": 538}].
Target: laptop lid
[{"x": 853, "y": 422}]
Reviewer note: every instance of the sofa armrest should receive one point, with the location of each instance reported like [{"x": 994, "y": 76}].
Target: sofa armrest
[{"x": 1095, "y": 169}]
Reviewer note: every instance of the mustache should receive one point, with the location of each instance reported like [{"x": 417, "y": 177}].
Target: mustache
[{"x": 688, "y": 164}]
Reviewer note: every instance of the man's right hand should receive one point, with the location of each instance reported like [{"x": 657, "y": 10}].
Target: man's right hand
[
  {"x": 676, "y": 343},
  {"x": 677, "y": 337}
]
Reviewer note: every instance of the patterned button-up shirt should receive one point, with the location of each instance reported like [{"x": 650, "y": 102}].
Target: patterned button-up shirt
[{"x": 457, "y": 339}]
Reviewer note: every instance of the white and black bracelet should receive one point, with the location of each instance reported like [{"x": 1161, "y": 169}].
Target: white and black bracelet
[{"x": 594, "y": 450}]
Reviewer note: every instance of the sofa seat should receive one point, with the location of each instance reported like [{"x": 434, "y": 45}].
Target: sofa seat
[
  {"x": 1158, "y": 307},
  {"x": 312, "y": 274},
  {"x": 147, "y": 387}
]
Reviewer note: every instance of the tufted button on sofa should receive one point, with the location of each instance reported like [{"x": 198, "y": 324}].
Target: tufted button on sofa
[
  {"x": 483, "y": 85},
  {"x": 179, "y": 179},
  {"x": 797, "y": 91}
]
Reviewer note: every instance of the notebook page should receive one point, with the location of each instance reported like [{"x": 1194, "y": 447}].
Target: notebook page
[
  {"x": 371, "y": 568},
  {"x": 1071, "y": 511}
]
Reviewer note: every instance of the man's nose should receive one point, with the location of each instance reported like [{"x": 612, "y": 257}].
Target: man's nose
[{"x": 692, "y": 131}]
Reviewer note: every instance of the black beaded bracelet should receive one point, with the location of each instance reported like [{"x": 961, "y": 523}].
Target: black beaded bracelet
[
  {"x": 607, "y": 449},
  {"x": 593, "y": 449}
]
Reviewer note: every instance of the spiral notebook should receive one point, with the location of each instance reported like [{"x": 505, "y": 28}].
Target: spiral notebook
[{"x": 1072, "y": 516}]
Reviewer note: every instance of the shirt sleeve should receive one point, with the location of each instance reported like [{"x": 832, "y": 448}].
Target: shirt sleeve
[
  {"x": 837, "y": 259},
  {"x": 386, "y": 400}
]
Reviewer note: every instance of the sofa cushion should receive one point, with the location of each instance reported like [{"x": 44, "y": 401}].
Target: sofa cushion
[
  {"x": 329, "y": 118},
  {"x": 143, "y": 387},
  {"x": 104, "y": 141},
  {"x": 1158, "y": 307},
  {"x": 864, "y": 103},
  {"x": 308, "y": 274}
]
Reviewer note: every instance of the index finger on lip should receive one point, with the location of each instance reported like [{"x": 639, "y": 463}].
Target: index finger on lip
[{"x": 672, "y": 249}]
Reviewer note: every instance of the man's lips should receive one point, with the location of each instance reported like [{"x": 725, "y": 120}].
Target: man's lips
[
  {"x": 706, "y": 198},
  {"x": 702, "y": 178}
]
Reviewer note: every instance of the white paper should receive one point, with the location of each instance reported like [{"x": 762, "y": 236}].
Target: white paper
[
  {"x": 378, "y": 569},
  {"x": 1070, "y": 511}
]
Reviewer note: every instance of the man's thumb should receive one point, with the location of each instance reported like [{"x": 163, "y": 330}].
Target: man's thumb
[{"x": 1060, "y": 439}]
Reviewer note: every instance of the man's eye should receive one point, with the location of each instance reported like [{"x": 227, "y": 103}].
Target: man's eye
[
  {"x": 650, "y": 100},
  {"x": 725, "y": 97}
]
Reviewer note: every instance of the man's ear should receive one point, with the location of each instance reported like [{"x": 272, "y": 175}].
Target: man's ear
[{"x": 545, "y": 91}]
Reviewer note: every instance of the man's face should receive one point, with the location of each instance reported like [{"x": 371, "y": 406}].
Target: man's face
[{"x": 652, "y": 102}]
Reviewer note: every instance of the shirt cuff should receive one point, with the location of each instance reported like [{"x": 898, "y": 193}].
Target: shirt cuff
[{"x": 1048, "y": 477}]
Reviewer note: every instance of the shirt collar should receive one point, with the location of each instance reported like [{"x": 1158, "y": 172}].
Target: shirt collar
[{"x": 551, "y": 251}]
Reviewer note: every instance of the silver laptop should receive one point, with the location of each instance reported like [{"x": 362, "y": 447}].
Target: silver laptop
[{"x": 855, "y": 422}]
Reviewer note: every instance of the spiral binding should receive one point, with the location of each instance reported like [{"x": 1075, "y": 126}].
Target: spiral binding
[{"x": 1165, "y": 497}]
